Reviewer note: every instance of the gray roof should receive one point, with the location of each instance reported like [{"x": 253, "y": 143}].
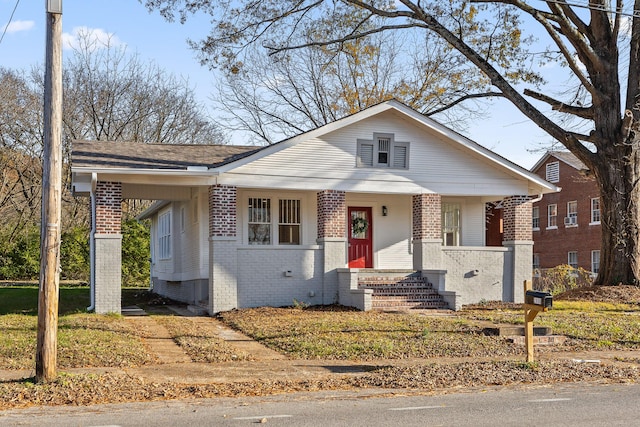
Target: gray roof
[
  {"x": 136, "y": 155},
  {"x": 569, "y": 158},
  {"x": 564, "y": 156}
]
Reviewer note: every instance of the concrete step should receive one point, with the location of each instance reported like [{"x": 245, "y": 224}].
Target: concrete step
[
  {"x": 511, "y": 330},
  {"x": 543, "y": 340}
]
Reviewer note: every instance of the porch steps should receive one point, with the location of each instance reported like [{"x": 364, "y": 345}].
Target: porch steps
[{"x": 402, "y": 293}]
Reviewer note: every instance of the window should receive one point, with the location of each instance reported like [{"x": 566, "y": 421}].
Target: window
[
  {"x": 572, "y": 214},
  {"x": 595, "y": 261},
  {"x": 572, "y": 259},
  {"x": 595, "y": 210},
  {"x": 164, "y": 235},
  {"x": 536, "y": 265},
  {"x": 289, "y": 222},
  {"x": 552, "y": 216},
  {"x": 450, "y": 224},
  {"x": 535, "y": 223},
  {"x": 261, "y": 231},
  {"x": 194, "y": 212},
  {"x": 259, "y": 221},
  {"x": 382, "y": 151},
  {"x": 553, "y": 172}
]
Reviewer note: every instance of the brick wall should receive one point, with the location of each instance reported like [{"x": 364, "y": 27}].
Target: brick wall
[
  {"x": 427, "y": 216},
  {"x": 517, "y": 218},
  {"x": 332, "y": 214},
  {"x": 108, "y": 207},
  {"x": 223, "y": 202},
  {"x": 552, "y": 245}
]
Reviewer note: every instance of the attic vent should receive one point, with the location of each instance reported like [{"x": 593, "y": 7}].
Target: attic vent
[
  {"x": 553, "y": 172},
  {"x": 383, "y": 150}
]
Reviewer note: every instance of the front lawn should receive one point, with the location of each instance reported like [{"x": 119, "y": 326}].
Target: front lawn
[{"x": 314, "y": 334}]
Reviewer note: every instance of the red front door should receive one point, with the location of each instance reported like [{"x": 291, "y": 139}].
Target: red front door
[{"x": 360, "y": 247}]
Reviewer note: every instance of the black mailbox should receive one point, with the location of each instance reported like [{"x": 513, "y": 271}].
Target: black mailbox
[{"x": 542, "y": 299}]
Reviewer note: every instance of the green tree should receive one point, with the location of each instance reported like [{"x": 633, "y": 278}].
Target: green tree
[
  {"x": 598, "y": 43},
  {"x": 135, "y": 253}
]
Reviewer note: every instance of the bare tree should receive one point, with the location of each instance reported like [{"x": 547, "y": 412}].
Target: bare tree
[
  {"x": 108, "y": 95},
  {"x": 585, "y": 38},
  {"x": 281, "y": 95}
]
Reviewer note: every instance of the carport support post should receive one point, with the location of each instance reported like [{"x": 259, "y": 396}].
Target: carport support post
[{"x": 108, "y": 247}]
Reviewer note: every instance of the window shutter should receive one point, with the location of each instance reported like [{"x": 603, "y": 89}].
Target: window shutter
[
  {"x": 400, "y": 156},
  {"x": 366, "y": 154}
]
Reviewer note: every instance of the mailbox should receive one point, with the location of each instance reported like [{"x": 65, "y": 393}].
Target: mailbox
[{"x": 541, "y": 299}]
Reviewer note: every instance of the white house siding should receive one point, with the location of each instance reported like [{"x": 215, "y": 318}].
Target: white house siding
[
  {"x": 477, "y": 274},
  {"x": 391, "y": 233},
  {"x": 329, "y": 163},
  {"x": 184, "y": 276},
  {"x": 263, "y": 276}
]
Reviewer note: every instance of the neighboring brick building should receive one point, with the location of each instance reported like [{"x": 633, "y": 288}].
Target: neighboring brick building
[{"x": 566, "y": 225}]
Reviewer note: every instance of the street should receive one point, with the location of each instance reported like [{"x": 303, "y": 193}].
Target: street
[{"x": 562, "y": 404}]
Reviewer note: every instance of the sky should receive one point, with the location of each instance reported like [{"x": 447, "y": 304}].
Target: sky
[{"x": 506, "y": 131}]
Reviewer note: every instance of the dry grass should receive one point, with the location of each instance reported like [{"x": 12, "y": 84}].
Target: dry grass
[
  {"x": 332, "y": 333},
  {"x": 84, "y": 340},
  {"x": 202, "y": 344}
]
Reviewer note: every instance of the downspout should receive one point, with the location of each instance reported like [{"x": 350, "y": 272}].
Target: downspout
[
  {"x": 537, "y": 199},
  {"x": 92, "y": 244}
]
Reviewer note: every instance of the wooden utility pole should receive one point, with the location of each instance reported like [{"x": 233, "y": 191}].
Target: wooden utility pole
[{"x": 47, "y": 343}]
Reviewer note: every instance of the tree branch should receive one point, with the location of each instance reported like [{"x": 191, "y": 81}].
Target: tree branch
[
  {"x": 583, "y": 112},
  {"x": 464, "y": 98}
]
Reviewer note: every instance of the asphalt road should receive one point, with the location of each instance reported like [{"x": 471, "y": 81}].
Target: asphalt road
[{"x": 558, "y": 405}]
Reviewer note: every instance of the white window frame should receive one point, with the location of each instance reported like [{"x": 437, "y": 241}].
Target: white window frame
[
  {"x": 451, "y": 219},
  {"x": 553, "y": 172},
  {"x": 572, "y": 262},
  {"x": 195, "y": 213},
  {"x": 595, "y": 261},
  {"x": 535, "y": 218},
  {"x": 549, "y": 216},
  {"x": 535, "y": 265},
  {"x": 572, "y": 214},
  {"x": 274, "y": 218},
  {"x": 164, "y": 235},
  {"x": 289, "y": 215},
  {"x": 260, "y": 219},
  {"x": 372, "y": 149},
  {"x": 595, "y": 213}
]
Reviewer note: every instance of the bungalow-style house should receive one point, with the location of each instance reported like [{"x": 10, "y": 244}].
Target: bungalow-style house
[{"x": 383, "y": 199}]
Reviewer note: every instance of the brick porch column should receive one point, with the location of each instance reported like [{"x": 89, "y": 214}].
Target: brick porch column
[
  {"x": 107, "y": 237},
  {"x": 223, "y": 247},
  {"x": 332, "y": 236},
  {"x": 518, "y": 236},
  {"x": 427, "y": 232}
]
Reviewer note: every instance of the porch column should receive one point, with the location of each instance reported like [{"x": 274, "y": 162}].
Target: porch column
[
  {"x": 332, "y": 235},
  {"x": 107, "y": 237},
  {"x": 518, "y": 236},
  {"x": 427, "y": 232},
  {"x": 223, "y": 248}
]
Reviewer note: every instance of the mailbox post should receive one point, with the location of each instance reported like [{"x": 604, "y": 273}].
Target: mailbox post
[{"x": 534, "y": 302}]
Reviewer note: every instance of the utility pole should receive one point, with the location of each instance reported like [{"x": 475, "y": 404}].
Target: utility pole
[{"x": 47, "y": 342}]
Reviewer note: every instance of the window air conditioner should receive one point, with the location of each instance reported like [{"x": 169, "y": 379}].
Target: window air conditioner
[{"x": 571, "y": 220}]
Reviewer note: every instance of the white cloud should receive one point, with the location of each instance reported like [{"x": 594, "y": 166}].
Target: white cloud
[
  {"x": 91, "y": 38},
  {"x": 17, "y": 26}
]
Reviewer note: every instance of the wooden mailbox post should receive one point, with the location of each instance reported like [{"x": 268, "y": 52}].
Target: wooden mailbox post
[{"x": 534, "y": 302}]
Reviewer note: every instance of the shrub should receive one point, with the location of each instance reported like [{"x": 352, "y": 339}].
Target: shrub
[{"x": 561, "y": 278}]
